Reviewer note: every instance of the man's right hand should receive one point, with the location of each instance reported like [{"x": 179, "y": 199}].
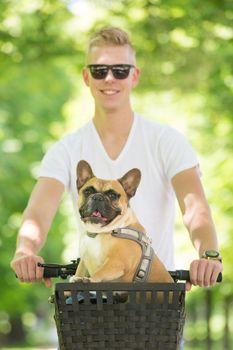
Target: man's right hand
[
  {"x": 32, "y": 235},
  {"x": 27, "y": 270}
]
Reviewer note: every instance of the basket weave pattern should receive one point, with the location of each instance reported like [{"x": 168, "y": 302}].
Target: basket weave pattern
[{"x": 104, "y": 324}]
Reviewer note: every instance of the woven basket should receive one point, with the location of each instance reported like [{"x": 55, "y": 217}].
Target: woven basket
[{"x": 97, "y": 321}]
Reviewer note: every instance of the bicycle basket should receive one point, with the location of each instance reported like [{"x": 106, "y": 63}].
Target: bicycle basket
[{"x": 92, "y": 319}]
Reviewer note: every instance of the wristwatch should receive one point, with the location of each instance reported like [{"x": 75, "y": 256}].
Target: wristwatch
[{"x": 212, "y": 254}]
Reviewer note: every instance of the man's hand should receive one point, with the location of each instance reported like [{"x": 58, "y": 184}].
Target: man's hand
[
  {"x": 204, "y": 273},
  {"x": 26, "y": 269}
]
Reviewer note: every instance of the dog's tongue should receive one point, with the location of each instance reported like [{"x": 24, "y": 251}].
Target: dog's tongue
[{"x": 97, "y": 214}]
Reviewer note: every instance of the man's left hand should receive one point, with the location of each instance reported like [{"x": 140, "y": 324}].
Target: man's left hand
[{"x": 204, "y": 273}]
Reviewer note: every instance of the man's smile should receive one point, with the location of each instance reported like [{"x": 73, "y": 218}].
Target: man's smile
[{"x": 109, "y": 92}]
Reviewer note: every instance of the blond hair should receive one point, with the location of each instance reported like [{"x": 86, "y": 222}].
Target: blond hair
[{"x": 110, "y": 36}]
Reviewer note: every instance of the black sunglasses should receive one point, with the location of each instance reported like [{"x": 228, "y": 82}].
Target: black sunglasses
[{"x": 119, "y": 71}]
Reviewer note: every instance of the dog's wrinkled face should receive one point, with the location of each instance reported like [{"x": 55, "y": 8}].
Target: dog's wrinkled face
[{"x": 101, "y": 201}]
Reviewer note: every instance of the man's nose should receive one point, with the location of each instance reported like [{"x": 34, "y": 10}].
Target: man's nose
[{"x": 109, "y": 76}]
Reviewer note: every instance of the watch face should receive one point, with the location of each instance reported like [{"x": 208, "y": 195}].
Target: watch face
[{"x": 212, "y": 253}]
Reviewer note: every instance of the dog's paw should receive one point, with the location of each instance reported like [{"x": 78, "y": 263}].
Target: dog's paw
[
  {"x": 77, "y": 279},
  {"x": 87, "y": 280}
]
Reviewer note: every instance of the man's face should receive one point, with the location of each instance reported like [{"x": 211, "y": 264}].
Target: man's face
[{"x": 110, "y": 93}]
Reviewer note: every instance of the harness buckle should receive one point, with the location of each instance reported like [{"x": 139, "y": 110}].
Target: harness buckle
[{"x": 141, "y": 274}]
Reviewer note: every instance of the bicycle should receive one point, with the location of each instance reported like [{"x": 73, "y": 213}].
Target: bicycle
[{"x": 92, "y": 317}]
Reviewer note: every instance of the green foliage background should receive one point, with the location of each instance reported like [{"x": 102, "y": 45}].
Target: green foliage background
[{"x": 185, "y": 53}]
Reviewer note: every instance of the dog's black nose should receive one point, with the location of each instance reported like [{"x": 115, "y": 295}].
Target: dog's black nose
[{"x": 98, "y": 197}]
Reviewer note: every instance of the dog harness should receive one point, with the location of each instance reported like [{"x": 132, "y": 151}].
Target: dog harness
[{"x": 144, "y": 266}]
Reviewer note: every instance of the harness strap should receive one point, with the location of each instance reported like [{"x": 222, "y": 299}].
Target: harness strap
[{"x": 144, "y": 265}]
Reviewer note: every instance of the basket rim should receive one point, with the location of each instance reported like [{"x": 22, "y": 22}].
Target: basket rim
[{"x": 119, "y": 286}]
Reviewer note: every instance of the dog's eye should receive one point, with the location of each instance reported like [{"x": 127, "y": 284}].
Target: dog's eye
[
  {"x": 89, "y": 190},
  {"x": 112, "y": 195}
]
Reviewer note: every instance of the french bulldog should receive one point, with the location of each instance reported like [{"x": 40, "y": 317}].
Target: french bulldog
[{"x": 104, "y": 207}]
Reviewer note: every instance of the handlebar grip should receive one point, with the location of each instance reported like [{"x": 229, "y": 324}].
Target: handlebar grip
[
  {"x": 183, "y": 275},
  {"x": 63, "y": 271},
  {"x": 219, "y": 279},
  {"x": 49, "y": 272}
]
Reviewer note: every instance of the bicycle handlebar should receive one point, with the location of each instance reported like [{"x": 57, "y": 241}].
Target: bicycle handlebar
[
  {"x": 63, "y": 271},
  {"x": 183, "y": 275},
  {"x": 56, "y": 270}
]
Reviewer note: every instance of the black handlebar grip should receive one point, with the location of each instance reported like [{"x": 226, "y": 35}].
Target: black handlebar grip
[
  {"x": 49, "y": 272},
  {"x": 219, "y": 279},
  {"x": 54, "y": 270},
  {"x": 183, "y": 275}
]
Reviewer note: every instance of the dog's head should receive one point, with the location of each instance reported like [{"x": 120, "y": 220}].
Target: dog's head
[{"x": 103, "y": 201}]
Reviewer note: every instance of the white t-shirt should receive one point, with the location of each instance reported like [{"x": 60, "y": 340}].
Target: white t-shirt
[{"x": 159, "y": 151}]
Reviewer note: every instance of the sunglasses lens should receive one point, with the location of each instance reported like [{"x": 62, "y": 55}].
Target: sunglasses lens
[
  {"x": 98, "y": 72},
  {"x": 120, "y": 72}
]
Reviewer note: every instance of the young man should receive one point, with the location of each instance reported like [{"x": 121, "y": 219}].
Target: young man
[{"x": 116, "y": 140}]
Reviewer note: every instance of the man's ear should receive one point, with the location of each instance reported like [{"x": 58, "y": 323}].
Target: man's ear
[
  {"x": 130, "y": 181},
  {"x": 84, "y": 173},
  {"x": 136, "y": 76},
  {"x": 86, "y": 76}
]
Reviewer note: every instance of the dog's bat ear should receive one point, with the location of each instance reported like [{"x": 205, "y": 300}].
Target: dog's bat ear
[
  {"x": 84, "y": 173},
  {"x": 130, "y": 181}
]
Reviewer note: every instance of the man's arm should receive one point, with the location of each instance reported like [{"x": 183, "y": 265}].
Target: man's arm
[
  {"x": 197, "y": 219},
  {"x": 37, "y": 219}
]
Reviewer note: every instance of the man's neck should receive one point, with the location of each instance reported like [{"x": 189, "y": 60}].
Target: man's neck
[{"x": 116, "y": 123}]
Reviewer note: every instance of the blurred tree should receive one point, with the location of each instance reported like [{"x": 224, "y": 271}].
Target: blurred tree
[{"x": 34, "y": 86}]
